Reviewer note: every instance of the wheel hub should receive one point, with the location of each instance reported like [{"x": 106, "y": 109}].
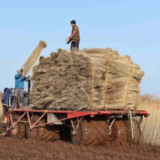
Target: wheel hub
[{"x": 14, "y": 129}]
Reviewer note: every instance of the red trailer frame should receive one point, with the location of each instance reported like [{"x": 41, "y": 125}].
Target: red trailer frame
[{"x": 69, "y": 115}]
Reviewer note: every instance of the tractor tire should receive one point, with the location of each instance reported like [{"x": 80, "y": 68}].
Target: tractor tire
[
  {"x": 90, "y": 133},
  {"x": 42, "y": 133},
  {"x": 122, "y": 132},
  {"x": 19, "y": 131}
]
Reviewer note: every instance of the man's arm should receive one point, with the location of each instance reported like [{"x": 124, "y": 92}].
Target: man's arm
[
  {"x": 24, "y": 79},
  {"x": 74, "y": 32},
  {"x": 18, "y": 76}
]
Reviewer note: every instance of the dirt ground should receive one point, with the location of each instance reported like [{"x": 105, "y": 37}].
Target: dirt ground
[{"x": 23, "y": 149}]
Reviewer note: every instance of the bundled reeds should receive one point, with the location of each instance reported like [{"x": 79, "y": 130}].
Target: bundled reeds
[
  {"x": 62, "y": 81},
  {"x": 150, "y": 126},
  {"x": 118, "y": 78},
  {"x": 85, "y": 79},
  {"x": 33, "y": 57}
]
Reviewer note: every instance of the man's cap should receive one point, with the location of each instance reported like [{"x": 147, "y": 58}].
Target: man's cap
[{"x": 73, "y": 22}]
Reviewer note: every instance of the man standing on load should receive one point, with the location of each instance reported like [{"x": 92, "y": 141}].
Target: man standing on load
[
  {"x": 19, "y": 87},
  {"x": 75, "y": 36}
]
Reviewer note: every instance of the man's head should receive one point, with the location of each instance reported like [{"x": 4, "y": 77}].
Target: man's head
[
  {"x": 19, "y": 71},
  {"x": 73, "y": 23},
  {"x": 5, "y": 89}
]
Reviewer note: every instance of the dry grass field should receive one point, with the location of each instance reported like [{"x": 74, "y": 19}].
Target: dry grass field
[{"x": 151, "y": 125}]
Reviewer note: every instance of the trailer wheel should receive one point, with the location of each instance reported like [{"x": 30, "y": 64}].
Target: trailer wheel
[
  {"x": 90, "y": 133},
  {"x": 13, "y": 132},
  {"x": 32, "y": 133},
  {"x": 42, "y": 133},
  {"x": 48, "y": 133},
  {"x": 122, "y": 132},
  {"x": 19, "y": 130},
  {"x": 76, "y": 139}
]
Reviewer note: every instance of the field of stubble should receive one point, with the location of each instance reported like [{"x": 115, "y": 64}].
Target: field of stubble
[{"x": 16, "y": 149}]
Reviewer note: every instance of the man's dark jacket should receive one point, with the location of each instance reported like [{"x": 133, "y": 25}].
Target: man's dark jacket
[{"x": 5, "y": 97}]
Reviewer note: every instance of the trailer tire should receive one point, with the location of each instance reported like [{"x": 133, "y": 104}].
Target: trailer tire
[
  {"x": 32, "y": 133},
  {"x": 22, "y": 130},
  {"x": 42, "y": 133},
  {"x": 19, "y": 131},
  {"x": 122, "y": 132},
  {"x": 90, "y": 133},
  {"x": 48, "y": 133}
]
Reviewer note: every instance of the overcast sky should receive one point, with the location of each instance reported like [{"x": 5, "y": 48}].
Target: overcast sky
[{"x": 130, "y": 26}]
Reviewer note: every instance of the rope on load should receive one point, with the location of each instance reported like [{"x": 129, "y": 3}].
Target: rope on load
[{"x": 131, "y": 116}]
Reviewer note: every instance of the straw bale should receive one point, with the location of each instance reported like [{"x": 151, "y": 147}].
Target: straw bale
[{"x": 63, "y": 81}]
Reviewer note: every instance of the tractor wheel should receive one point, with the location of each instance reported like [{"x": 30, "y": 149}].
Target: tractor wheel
[
  {"x": 42, "y": 133},
  {"x": 90, "y": 133},
  {"x": 18, "y": 131},
  {"x": 122, "y": 132}
]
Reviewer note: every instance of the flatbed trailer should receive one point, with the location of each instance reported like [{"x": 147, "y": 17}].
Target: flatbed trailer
[{"x": 88, "y": 127}]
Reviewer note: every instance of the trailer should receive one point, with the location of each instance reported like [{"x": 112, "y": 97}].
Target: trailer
[
  {"x": 88, "y": 128},
  {"x": 85, "y": 127}
]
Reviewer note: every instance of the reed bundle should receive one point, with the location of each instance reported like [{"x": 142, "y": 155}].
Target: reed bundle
[{"x": 33, "y": 58}]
